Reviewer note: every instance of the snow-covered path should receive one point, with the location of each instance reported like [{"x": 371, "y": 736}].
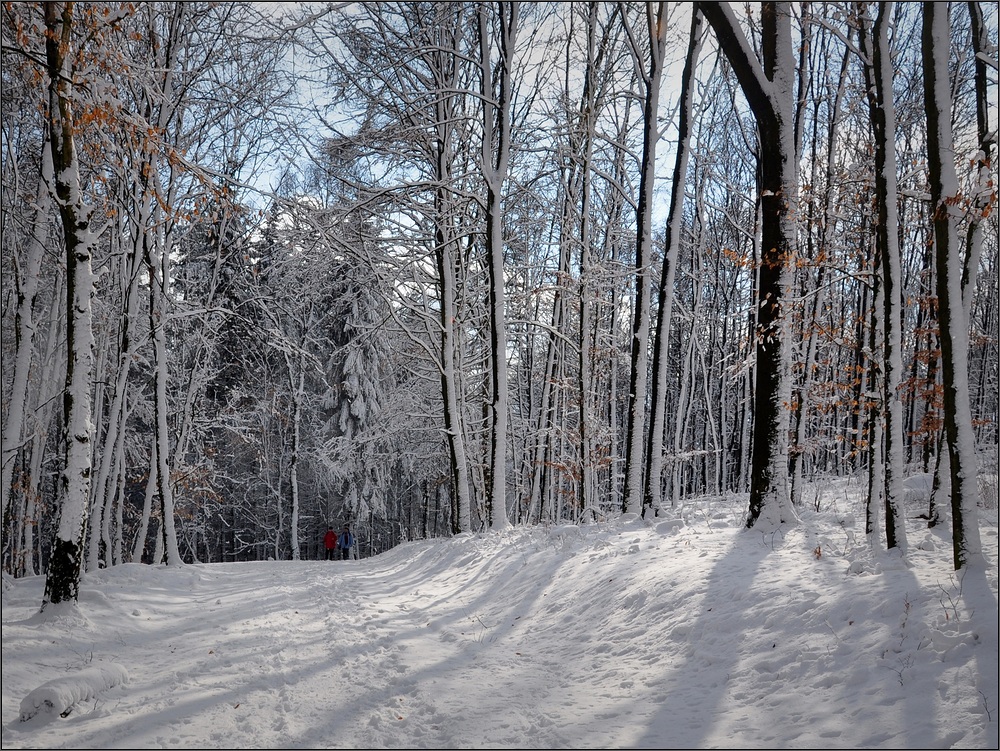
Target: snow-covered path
[{"x": 619, "y": 635}]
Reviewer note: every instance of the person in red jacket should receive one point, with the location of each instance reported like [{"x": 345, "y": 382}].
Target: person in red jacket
[{"x": 330, "y": 543}]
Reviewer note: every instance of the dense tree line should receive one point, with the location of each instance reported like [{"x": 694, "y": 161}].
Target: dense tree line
[{"x": 433, "y": 268}]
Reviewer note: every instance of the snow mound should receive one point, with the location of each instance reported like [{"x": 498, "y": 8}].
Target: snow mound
[
  {"x": 918, "y": 487},
  {"x": 59, "y": 695}
]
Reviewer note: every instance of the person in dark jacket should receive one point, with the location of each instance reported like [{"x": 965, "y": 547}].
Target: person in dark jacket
[
  {"x": 330, "y": 543},
  {"x": 346, "y": 543}
]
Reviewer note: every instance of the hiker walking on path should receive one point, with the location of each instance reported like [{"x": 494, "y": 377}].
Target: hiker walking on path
[
  {"x": 346, "y": 543},
  {"x": 330, "y": 543}
]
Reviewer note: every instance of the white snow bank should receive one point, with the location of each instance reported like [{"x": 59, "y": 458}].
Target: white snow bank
[
  {"x": 59, "y": 695},
  {"x": 918, "y": 487}
]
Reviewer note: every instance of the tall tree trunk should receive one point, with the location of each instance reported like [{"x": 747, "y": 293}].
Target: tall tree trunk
[
  {"x": 985, "y": 196},
  {"x": 946, "y": 205},
  {"x": 450, "y": 387},
  {"x": 675, "y": 220},
  {"x": 585, "y": 388},
  {"x": 158, "y": 265},
  {"x": 656, "y": 24},
  {"x": 984, "y": 199},
  {"x": 296, "y": 385},
  {"x": 495, "y": 157},
  {"x": 872, "y": 400},
  {"x": 447, "y": 254},
  {"x": 769, "y": 90},
  {"x": 112, "y": 462},
  {"x": 545, "y": 424},
  {"x": 883, "y": 116},
  {"x": 62, "y": 583}
]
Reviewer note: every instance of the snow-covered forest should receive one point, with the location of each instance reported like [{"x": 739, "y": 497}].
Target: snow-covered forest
[{"x": 430, "y": 268}]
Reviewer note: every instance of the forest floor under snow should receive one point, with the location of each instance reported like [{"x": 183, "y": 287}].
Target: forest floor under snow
[{"x": 684, "y": 632}]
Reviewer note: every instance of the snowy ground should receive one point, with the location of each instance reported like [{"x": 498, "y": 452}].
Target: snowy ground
[{"x": 681, "y": 633}]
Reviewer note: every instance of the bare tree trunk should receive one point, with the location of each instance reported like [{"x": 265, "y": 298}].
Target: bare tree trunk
[
  {"x": 545, "y": 429},
  {"x": 675, "y": 220},
  {"x": 588, "y": 484},
  {"x": 946, "y": 203},
  {"x": 296, "y": 385},
  {"x": 158, "y": 264},
  {"x": 656, "y": 25},
  {"x": 769, "y": 89},
  {"x": 872, "y": 398},
  {"x": 62, "y": 582},
  {"x": 112, "y": 461},
  {"x": 883, "y": 116},
  {"x": 495, "y": 157},
  {"x": 984, "y": 197},
  {"x": 447, "y": 255}
]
